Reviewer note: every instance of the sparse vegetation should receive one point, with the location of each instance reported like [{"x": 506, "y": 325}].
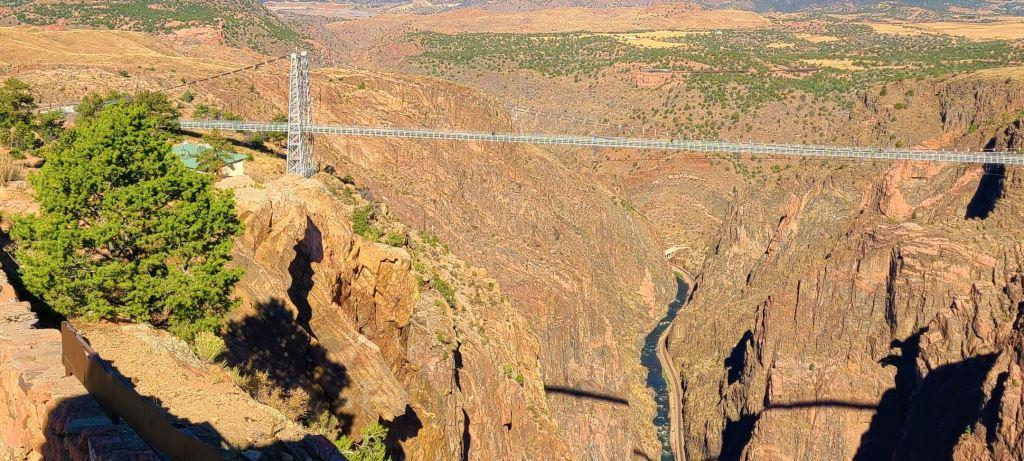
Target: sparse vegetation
[
  {"x": 445, "y": 288},
  {"x": 395, "y": 239},
  {"x": 293, "y": 403},
  {"x": 126, "y": 231},
  {"x": 371, "y": 446},
  {"x": 208, "y": 346},
  {"x": 259, "y": 138},
  {"x": 752, "y": 71},
  {"x": 510, "y": 372},
  {"x": 10, "y": 170},
  {"x": 207, "y": 112},
  {"x": 244, "y": 22},
  {"x": 362, "y": 223}
]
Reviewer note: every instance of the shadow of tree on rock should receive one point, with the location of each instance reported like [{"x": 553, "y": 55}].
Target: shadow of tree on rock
[
  {"x": 917, "y": 419},
  {"x": 886, "y": 427},
  {"x": 272, "y": 343}
]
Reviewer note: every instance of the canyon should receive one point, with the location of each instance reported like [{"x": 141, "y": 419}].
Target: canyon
[
  {"x": 838, "y": 309},
  {"x": 878, "y": 307}
]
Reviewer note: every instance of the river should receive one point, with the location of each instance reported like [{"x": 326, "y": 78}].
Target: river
[{"x": 655, "y": 375}]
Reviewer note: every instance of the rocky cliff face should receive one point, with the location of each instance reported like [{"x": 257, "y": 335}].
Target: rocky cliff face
[
  {"x": 859, "y": 316},
  {"x": 413, "y": 337},
  {"x": 584, "y": 269}
]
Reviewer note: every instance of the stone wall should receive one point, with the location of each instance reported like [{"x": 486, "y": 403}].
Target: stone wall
[
  {"x": 646, "y": 78},
  {"x": 44, "y": 414}
]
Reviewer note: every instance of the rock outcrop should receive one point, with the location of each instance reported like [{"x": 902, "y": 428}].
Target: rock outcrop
[
  {"x": 860, "y": 315},
  {"x": 201, "y": 398},
  {"x": 412, "y": 337}
]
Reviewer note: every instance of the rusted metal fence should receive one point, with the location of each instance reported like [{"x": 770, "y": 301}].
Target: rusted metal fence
[{"x": 121, "y": 402}]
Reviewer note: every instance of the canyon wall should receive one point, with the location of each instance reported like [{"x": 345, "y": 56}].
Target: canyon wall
[
  {"x": 410, "y": 336},
  {"x": 579, "y": 265},
  {"x": 584, "y": 269},
  {"x": 868, "y": 311},
  {"x": 856, "y": 316}
]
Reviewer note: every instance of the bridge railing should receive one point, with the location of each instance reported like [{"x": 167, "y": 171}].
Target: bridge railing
[
  {"x": 1001, "y": 157},
  {"x": 120, "y": 400}
]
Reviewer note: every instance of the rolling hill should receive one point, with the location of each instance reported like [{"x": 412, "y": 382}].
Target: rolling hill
[{"x": 245, "y": 23}]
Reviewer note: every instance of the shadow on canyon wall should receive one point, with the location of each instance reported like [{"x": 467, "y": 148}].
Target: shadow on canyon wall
[
  {"x": 299, "y": 358},
  {"x": 917, "y": 419},
  {"x": 737, "y": 357},
  {"x": 309, "y": 250},
  {"x": 990, "y": 190},
  {"x": 584, "y": 394}
]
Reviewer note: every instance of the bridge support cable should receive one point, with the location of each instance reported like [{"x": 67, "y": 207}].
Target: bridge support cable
[
  {"x": 300, "y": 116},
  {"x": 864, "y": 153}
]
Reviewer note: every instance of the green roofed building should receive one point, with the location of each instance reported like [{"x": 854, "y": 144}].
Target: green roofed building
[{"x": 189, "y": 153}]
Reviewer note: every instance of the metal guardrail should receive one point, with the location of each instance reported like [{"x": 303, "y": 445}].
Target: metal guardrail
[
  {"x": 801, "y": 150},
  {"x": 117, "y": 397}
]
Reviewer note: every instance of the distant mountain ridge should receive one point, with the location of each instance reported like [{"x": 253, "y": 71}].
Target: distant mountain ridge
[
  {"x": 1008, "y": 6},
  {"x": 999, "y": 6},
  {"x": 245, "y": 23}
]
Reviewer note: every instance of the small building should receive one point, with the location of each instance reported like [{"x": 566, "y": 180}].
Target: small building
[{"x": 189, "y": 153}]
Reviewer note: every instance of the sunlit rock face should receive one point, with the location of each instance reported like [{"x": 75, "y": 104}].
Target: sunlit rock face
[
  {"x": 860, "y": 315},
  {"x": 351, "y": 323}
]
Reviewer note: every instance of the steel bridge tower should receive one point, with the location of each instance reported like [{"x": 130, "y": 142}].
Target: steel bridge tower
[{"x": 300, "y": 116}]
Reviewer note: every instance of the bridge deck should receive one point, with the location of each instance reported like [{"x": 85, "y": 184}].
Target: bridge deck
[{"x": 871, "y": 153}]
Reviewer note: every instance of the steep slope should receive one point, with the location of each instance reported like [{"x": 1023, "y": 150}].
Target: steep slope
[
  {"x": 453, "y": 373},
  {"x": 585, "y": 270},
  {"x": 856, "y": 314}
]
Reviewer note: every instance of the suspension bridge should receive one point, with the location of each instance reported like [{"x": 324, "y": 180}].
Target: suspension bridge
[{"x": 300, "y": 131}]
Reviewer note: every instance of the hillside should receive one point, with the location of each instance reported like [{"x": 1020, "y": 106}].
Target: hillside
[
  {"x": 490, "y": 300},
  {"x": 798, "y": 78},
  {"x": 917, "y": 7},
  {"x": 243, "y": 23}
]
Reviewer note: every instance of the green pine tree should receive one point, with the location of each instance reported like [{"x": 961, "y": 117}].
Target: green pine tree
[
  {"x": 126, "y": 231},
  {"x": 371, "y": 447},
  {"x": 16, "y": 103}
]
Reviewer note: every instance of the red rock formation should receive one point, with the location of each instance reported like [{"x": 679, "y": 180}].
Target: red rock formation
[
  {"x": 451, "y": 379},
  {"x": 646, "y": 78},
  {"x": 860, "y": 315},
  {"x": 584, "y": 270},
  {"x": 794, "y": 254}
]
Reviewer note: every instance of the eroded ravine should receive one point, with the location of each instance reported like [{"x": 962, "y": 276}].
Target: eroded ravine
[{"x": 660, "y": 373}]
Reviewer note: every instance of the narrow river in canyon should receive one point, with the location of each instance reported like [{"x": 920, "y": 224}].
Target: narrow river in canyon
[{"x": 655, "y": 373}]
